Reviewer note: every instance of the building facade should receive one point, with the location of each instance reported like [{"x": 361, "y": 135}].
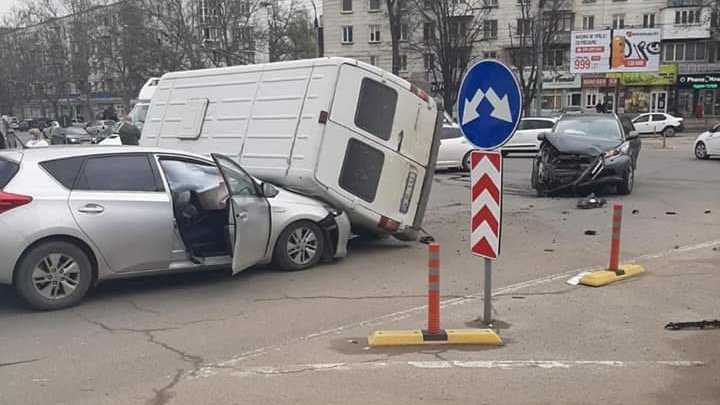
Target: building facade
[{"x": 690, "y": 52}]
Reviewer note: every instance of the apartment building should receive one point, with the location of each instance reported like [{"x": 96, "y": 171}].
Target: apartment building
[{"x": 689, "y": 73}]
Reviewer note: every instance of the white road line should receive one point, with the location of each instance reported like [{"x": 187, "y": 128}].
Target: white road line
[
  {"x": 399, "y": 315},
  {"x": 454, "y": 364}
]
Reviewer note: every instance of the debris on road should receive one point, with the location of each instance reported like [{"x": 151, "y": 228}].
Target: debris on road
[
  {"x": 590, "y": 232},
  {"x": 708, "y": 212},
  {"x": 635, "y": 212},
  {"x": 591, "y": 202},
  {"x": 714, "y": 324},
  {"x": 670, "y": 213}
]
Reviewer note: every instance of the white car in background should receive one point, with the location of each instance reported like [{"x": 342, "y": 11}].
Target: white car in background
[
  {"x": 454, "y": 150},
  {"x": 658, "y": 123},
  {"x": 708, "y": 143},
  {"x": 525, "y": 138}
]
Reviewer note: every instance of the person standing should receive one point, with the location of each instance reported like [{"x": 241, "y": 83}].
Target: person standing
[
  {"x": 129, "y": 133},
  {"x": 38, "y": 140}
]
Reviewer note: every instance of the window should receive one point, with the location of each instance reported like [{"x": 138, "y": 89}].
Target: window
[
  {"x": 658, "y": 117},
  {"x": 687, "y": 17},
  {"x": 374, "y": 5},
  {"x": 588, "y": 22},
  {"x": 490, "y": 3},
  {"x": 648, "y": 20},
  {"x": 490, "y": 29},
  {"x": 524, "y": 27},
  {"x": 404, "y": 32},
  {"x": 403, "y": 62},
  {"x": 451, "y": 133},
  {"x": 429, "y": 61},
  {"x": 376, "y": 108},
  {"x": 7, "y": 171},
  {"x": 238, "y": 181},
  {"x": 428, "y": 32},
  {"x": 361, "y": 170},
  {"x": 347, "y": 6},
  {"x": 65, "y": 171},
  {"x": 374, "y": 33},
  {"x": 490, "y": 55},
  {"x": 618, "y": 21},
  {"x": 347, "y": 34},
  {"x": 184, "y": 175},
  {"x": 117, "y": 173},
  {"x": 556, "y": 57},
  {"x": 374, "y": 60},
  {"x": 643, "y": 118}
]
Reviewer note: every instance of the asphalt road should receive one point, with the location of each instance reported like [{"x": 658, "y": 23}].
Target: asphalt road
[{"x": 279, "y": 338}]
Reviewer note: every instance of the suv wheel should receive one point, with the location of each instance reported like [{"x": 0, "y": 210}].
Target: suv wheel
[
  {"x": 53, "y": 275},
  {"x": 300, "y": 246}
]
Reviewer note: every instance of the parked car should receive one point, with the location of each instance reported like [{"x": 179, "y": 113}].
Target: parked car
[
  {"x": 454, "y": 150},
  {"x": 525, "y": 139},
  {"x": 708, "y": 143},
  {"x": 74, "y": 216},
  {"x": 96, "y": 127},
  {"x": 586, "y": 151},
  {"x": 70, "y": 136},
  {"x": 658, "y": 123}
]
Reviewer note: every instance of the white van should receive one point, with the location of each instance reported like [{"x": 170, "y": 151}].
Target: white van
[
  {"x": 348, "y": 133},
  {"x": 139, "y": 110}
]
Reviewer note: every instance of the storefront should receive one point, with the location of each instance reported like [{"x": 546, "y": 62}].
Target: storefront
[
  {"x": 698, "y": 88},
  {"x": 597, "y": 89},
  {"x": 646, "y": 92},
  {"x": 560, "y": 90}
]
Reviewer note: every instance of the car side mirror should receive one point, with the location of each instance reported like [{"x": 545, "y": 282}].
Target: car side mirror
[
  {"x": 541, "y": 136},
  {"x": 269, "y": 191},
  {"x": 633, "y": 135}
]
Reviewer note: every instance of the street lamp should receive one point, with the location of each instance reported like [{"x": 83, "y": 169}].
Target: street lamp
[{"x": 318, "y": 39}]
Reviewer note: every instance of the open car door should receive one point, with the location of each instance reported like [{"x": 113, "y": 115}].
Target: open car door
[{"x": 249, "y": 215}]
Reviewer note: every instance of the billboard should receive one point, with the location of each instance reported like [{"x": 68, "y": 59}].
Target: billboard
[{"x": 618, "y": 50}]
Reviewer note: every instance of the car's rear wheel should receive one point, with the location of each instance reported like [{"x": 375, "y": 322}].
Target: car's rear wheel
[
  {"x": 669, "y": 132},
  {"x": 300, "y": 246},
  {"x": 701, "y": 151},
  {"x": 628, "y": 182},
  {"x": 467, "y": 162},
  {"x": 53, "y": 275}
]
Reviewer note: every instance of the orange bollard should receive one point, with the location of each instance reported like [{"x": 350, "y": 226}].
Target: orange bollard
[
  {"x": 615, "y": 242},
  {"x": 434, "y": 289}
]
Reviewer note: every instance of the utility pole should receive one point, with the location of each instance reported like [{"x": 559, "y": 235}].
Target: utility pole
[
  {"x": 319, "y": 46},
  {"x": 539, "y": 46}
]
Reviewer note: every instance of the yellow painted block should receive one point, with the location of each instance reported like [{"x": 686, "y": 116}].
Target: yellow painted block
[
  {"x": 605, "y": 277},
  {"x": 396, "y": 338},
  {"x": 473, "y": 337}
]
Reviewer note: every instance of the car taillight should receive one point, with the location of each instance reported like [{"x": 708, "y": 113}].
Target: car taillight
[
  {"x": 388, "y": 224},
  {"x": 420, "y": 93},
  {"x": 9, "y": 201}
]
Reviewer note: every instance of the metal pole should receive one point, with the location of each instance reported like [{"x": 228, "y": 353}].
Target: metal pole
[
  {"x": 539, "y": 34},
  {"x": 487, "y": 296}
]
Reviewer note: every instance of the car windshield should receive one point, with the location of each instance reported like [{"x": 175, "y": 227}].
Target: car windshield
[
  {"x": 600, "y": 127},
  {"x": 137, "y": 115}
]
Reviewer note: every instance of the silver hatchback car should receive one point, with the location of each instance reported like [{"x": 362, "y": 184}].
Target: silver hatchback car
[{"x": 72, "y": 216}]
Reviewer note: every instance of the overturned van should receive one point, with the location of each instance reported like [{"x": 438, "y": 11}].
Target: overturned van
[{"x": 351, "y": 134}]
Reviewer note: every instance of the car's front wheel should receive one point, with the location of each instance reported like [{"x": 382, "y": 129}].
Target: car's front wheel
[
  {"x": 701, "y": 151},
  {"x": 53, "y": 275},
  {"x": 467, "y": 162},
  {"x": 300, "y": 246},
  {"x": 628, "y": 182}
]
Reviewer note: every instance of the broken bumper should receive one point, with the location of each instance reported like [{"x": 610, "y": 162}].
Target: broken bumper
[{"x": 590, "y": 172}]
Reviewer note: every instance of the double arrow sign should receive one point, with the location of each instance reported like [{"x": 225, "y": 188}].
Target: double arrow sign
[{"x": 501, "y": 106}]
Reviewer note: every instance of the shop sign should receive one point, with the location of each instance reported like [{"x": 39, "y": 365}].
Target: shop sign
[
  {"x": 596, "y": 82},
  {"x": 666, "y": 76},
  {"x": 560, "y": 80},
  {"x": 699, "y": 81}
]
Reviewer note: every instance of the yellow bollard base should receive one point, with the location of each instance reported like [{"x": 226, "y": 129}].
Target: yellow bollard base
[
  {"x": 605, "y": 277},
  {"x": 486, "y": 337}
]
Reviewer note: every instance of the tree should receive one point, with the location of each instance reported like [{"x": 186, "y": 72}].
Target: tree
[
  {"x": 529, "y": 36},
  {"x": 396, "y": 10},
  {"x": 289, "y": 33},
  {"x": 451, "y": 30}
]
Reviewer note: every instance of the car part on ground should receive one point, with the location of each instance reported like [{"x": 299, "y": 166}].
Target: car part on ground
[
  {"x": 715, "y": 324},
  {"x": 590, "y": 202}
]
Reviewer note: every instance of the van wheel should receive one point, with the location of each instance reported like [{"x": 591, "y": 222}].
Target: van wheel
[
  {"x": 300, "y": 246},
  {"x": 53, "y": 275}
]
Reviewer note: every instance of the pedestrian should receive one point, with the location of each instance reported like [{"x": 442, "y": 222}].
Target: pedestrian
[
  {"x": 129, "y": 133},
  {"x": 699, "y": 109},
  {"x": 607, "y": 108},
  {"x": 37, "y": 140},
  {"x": 599, "y": 107}
]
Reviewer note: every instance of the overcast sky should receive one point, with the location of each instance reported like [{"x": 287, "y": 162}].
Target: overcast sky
[{"x": 5, "y": 5}]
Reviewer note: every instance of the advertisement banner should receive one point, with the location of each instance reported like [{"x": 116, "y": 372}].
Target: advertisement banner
[
  {"x": 619, "y": 50},
  {"x": 590, "y": 52},
  {"x": 665, "y": 76}
]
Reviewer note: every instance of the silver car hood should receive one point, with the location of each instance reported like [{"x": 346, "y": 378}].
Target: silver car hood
[{"x": 286, "y": 197}]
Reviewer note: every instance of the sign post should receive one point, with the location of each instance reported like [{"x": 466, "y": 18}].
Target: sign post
[{"x": 489, "y": 107}]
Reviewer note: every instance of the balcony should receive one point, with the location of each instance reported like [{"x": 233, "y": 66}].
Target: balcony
[{"x": 683, "y": 23}]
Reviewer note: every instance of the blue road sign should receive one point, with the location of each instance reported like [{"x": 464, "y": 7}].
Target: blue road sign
[{"x": 489, "y": 104}]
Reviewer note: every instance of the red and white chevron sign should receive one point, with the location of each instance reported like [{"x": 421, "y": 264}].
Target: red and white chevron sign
[{"x": 486, "y": 211}]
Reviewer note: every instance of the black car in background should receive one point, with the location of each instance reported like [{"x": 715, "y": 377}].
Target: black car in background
[
  {"x": 585, "y": 152},
  {"x": 70, "y": 136}
]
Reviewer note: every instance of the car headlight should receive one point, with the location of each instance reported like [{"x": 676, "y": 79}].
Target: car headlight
[
  {"x": 620, "y": 150},
  {"x": 73, "y": 140}
]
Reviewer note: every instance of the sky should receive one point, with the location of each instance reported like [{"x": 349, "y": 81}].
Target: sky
[{"x": 5, "y": 5}]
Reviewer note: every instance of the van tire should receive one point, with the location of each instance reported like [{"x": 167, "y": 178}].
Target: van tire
[
  {"x": 60, "y": 254},
  {"x": 295, "y": 243}
]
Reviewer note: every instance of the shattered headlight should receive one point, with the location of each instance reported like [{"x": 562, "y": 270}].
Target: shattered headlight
[{"x": 620, "y": 150}]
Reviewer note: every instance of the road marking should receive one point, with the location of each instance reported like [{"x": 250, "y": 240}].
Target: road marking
[
  {"x": 400, "y": 315},
  {"x": 266, "y": 371}
]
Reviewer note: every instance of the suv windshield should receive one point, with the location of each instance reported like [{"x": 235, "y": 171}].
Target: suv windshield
[{"x": 601, "y": 127}]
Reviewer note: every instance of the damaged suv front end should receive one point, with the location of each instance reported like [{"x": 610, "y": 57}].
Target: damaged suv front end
[{"x": 586, "y": 152}]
